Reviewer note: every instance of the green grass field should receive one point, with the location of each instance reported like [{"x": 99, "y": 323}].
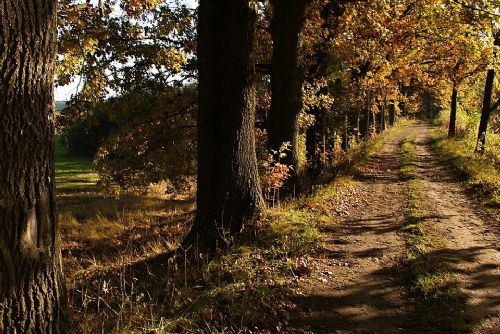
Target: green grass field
[{"x": 73, "y": 173}]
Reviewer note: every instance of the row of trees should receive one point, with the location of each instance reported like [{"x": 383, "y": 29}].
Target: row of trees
[{"x": 305, "y": 71}]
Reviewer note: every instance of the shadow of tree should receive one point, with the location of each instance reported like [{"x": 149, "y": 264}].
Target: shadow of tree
[{"x": 449, "y": 311}]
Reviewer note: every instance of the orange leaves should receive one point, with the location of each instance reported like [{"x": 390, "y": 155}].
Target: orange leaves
[{"x": 275, "y": 173}]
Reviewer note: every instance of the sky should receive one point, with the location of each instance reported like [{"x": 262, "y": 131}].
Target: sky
[{"x": 64, "y": 93}]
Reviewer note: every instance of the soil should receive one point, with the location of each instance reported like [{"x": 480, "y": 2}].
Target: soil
[{"x": 362, "y": 284}]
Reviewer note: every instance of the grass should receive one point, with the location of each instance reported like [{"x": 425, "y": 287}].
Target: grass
[
  {"x": 482, "y": 172},
  {"x": 73, "y": 173},
  {"x": 127, "y": 274},
  {"x": 408, "y": 170},
  {"x": 353, "y": 162},
  {"x": 441, "y": 306},
  {"x": 242, "y": 290}
]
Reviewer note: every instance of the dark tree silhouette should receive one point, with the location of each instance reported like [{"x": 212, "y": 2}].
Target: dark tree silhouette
[
  {"x": 486, "y": 111},
  {"x": 228, "y": 192},
  {"x": 287, "y": 76}
]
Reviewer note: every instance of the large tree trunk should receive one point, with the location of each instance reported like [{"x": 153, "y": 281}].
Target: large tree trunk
[
  {"x": 32, "y": 291},
  {"x": 228, "y": 182},
  {"x": 287, "y": 76},
  {"x": 452, "y": 129},
  {"x": 486, "y": 111}
]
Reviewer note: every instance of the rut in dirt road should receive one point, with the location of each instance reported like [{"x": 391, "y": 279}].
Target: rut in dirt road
[
  {"x": 359, "y": 287},
  {"x": 471, "y": 239},
  {"x": 363, "y": 285}
]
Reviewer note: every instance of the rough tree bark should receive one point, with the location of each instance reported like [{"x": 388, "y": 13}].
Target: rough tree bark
[
  {"x": 452, "y": 129},
  {"x": 486, "y": 111},
  {"x": 228, "y": 192},
  {"x": 32, "y": 291},
  {"x": 287, "y": 76}
]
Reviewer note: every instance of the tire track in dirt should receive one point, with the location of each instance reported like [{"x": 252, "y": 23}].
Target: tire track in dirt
[
  {"x": 472, "y": 241},
  {"x": 359, "y": 282}
]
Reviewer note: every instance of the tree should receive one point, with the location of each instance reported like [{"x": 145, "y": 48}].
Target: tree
[
  {"x": 32, "y": 291},
  {"x": 485, "y": 111},
  {"x": 287, "y": 76},
  {"x": 487, "y": 108},
  {"x": 228, "y": 192}
]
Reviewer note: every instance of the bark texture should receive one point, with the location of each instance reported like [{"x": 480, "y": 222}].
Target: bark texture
[
  {"x": 486, "y": 111},
  {"x": 287, "y": 76},
  {"x": 32, "y": 292},
  {"x": 229, "y": 192},
  {"x": 452, "y": 129}
]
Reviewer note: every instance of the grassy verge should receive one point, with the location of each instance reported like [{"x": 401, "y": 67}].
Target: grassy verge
[
  {"x": 242, "y": 291},
  {"x": 482, "y": 172},
  {"x": 441, "y": 306},
  {"x": 117, "y": 287}
]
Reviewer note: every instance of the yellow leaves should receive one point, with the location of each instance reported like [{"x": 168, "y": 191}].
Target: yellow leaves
[
  {"x": 315, "y": 97},
  {"x": 174, "y": 59},
  {"x": 90, "y": 45},
  {"x": 136, "y": 7},
  {"x": 66, "y": 66}
]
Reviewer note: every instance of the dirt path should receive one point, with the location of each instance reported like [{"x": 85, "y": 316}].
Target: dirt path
[
  {"x": 361, "y": 284},
  {"x": 358, "y": 287},
  {"x": 472, "y": 247}
]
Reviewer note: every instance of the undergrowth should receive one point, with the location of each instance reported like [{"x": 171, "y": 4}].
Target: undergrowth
[
  {"x": 123, "y": 279},
  {"x": 242, "y": 291},
  {"x": 441, "y": 306}
]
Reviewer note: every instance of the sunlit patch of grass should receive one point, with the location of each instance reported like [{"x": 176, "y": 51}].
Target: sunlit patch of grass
[
  {"x": 72, "y": 173},
  {"x": 481, "y": 171},
  {"x": 353, "y": 162},
  {"x": 408, "y": 169}
]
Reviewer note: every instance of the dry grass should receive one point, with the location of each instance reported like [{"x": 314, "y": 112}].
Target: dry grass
[{"x": 125, "y": 277}]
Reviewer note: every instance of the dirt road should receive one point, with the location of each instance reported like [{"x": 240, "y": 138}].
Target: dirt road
[{"x": 361, "y": 284}]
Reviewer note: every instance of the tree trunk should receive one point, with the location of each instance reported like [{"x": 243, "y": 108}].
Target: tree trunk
[
  {"x": 486, "y": 111},
  {"x": 373, "y": 122},
  {"x": 382, "y": 120},
  {"x": 32, "y": 290},
  {"x": 392, "y": 113},
  {"x": 382, "y": 117},
  {"x": 453, "y": 114},
  {"x": 287, "y": 76},
  {"x": 228, "y": 192},
  {"x": 367, "y": 134},
  {"x": 313, "y": 143}
]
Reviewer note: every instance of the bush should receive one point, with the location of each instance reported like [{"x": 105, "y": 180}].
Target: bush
[{"x": 86, "y": 135}]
